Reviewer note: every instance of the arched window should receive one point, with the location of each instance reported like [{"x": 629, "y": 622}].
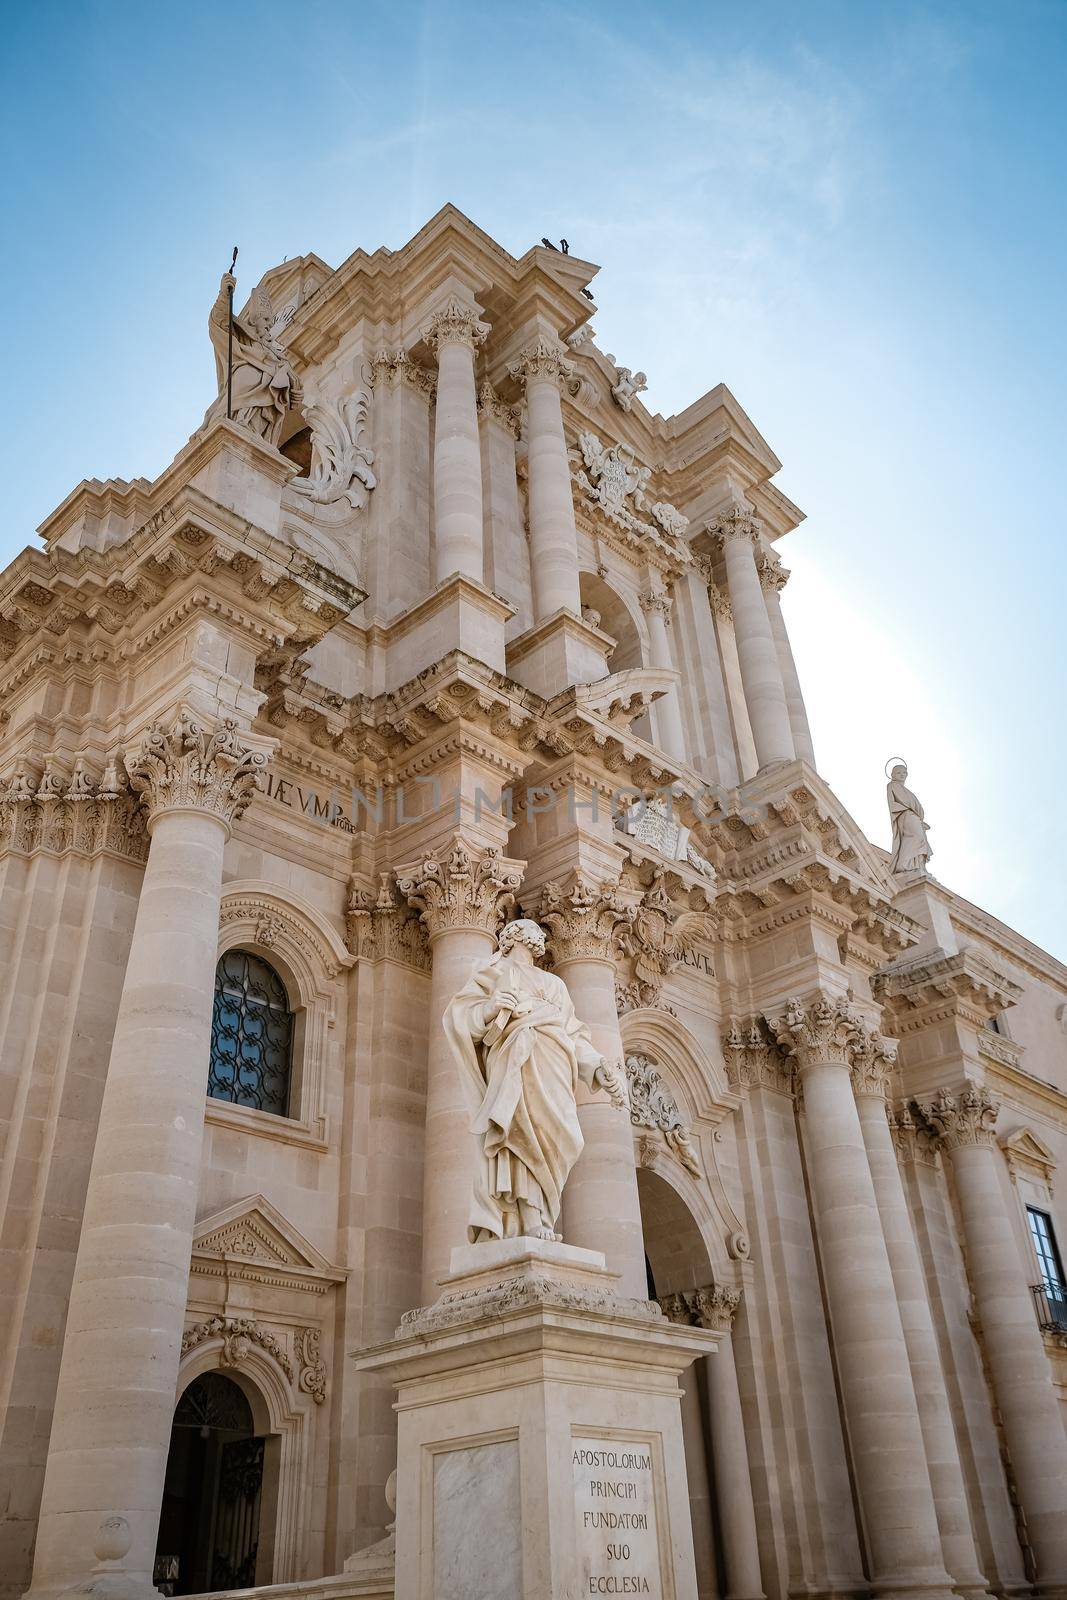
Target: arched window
[{"x": 251, "y": 1035}]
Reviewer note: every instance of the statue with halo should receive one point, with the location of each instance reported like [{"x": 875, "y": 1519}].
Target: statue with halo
[
  {"x": 911, "y": 844},
  {"x": 521, "y": 1052}
]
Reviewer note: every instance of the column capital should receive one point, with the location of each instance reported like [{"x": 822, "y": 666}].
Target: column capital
[
  {"x": 460, "y": 887},
  {"x": 189, "y": 766},
  {"x": 543, "y": 357},
  {"x": 819, "y": 1031},
  {"x": 968, "y": 1117},
  {"x": 582, "y": 918},
  {"x": 658, "y": 602},
  {"x": 736, "y": 523},
  {"x": 772, "y": 575},
  {"x": 873, "y": 1059},
  {"x": 753, "y": 1059},
  {"x": 455, "y": 323},
  {"x": 714, "y": 1307}
]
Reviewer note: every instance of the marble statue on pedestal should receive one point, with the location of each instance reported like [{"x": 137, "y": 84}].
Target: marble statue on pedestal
[
  {"x": 264, "y": 386},
  {"x": 911, "y": 844},
  {"x": 521, "y": 1052}
]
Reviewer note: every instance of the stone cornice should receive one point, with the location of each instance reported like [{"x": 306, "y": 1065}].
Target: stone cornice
[{"x": 934, "y": 987}]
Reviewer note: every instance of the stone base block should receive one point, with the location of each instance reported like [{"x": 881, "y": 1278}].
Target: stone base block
[
  {"x": 553, "y": 655},
  {"x": 540, "y": 1452}
]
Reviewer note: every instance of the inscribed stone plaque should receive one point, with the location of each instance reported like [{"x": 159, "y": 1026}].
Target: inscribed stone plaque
[
  {"x": 615, "y": 1504},
  {"x": 477, "y": 1523}
]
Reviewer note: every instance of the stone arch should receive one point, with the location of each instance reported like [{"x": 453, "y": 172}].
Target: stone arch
[
  {"x": 281, "y": 1414},
  {"x": 699, "y": 1082},
  {"x": 621, "y": 617}
]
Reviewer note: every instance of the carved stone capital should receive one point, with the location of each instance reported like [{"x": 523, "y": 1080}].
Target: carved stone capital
[
  {"x": 873, "y": 1059},
  {"x": 714, "y": 1307},
  {"x": 381, "y": 928},
  {"x": 675, "y": 1308},
  {"x": 542, "y": 358},
  {"x": 82, "y": 816},
  {"x": 190, "y": 767},
  {"x": 659, "y": 602},
  {"x": 753, "y": 1059},
  {"x": 914, "y": 1138},
  {"x": 772, "y": 575},
  {"x": 455, "y": 323},
  {"x": 582, "y": 919},
  {"x": 820, "y": 1031},
  {"x": 461, "y": 888},
  {"x": 966, "y": 1118},
  {"x": 720, "y": 603},
  {"x": 736, "y": 523}
]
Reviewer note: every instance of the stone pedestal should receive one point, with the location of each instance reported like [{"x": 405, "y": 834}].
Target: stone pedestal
[
  {"x": 558, "y": 652},
  {"x": 540, "y": 1452}
]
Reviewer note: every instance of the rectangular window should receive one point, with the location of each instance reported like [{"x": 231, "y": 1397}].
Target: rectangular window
[{"x": 1048, "y": 1254}]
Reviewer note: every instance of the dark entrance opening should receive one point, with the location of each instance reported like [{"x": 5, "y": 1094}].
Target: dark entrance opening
[{"x": 209, "y": 1524}]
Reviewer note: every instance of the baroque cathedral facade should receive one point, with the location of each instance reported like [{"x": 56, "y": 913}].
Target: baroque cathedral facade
[{"x": 432, "y": 624}]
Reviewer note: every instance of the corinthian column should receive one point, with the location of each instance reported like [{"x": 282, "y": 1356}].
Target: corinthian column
[
  {"x": 878, "y": 1397},
  {"x": 1022, "y": 1381},
  {"x": 461, "y": 896},
  {"x": 872, "y": 1059},
  {"x": 541, "y": 367},
  {"x": 454, "y": 332},
  {"x": 667, "y": 712},
  {"x": 715, "y": 1307},
  {"x": 774, "y": 578},
  {"x": 601, "y": 1208},
  {"x": 107, "y": 1454},
  {"x": 739, "y": 533}
]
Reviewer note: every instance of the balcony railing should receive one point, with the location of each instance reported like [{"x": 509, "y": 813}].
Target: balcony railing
[{"x": 1051, "y": 1302}]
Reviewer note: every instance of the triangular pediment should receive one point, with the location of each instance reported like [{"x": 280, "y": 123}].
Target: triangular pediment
[
  {"x": 1025, "y": 1151},
  {"x": 253, "y": 1232}
]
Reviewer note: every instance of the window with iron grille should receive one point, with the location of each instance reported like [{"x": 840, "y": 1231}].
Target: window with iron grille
[
  {"x": 1048, "y": 1254},
  {"x": 251, "y": 1035}
]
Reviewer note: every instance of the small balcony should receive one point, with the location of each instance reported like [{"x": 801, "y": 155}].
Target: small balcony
[{"x": 1050, "y": 1300}]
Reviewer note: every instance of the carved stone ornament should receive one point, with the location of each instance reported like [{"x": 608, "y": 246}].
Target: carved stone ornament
[
  {"x": 381, "y": 928},
  {"x": 461, "y": 888},
  {"x": 312, "y": 1367},
  {"x": 582, "y": 919},
  {"x": 455, "y": 323},
  {"x": 820, "y": 1031},
  {"x": 613, "y": 484},
  {"x": 657, "y": 937},
  {"x": 340, "y": 464},
  {"x": 238, "y": 1334},
  {"x": 629, "y": 386},
  {"x": 82, "y": 816},
  {"x": 966, "y": 1118},
  {"x": 189, "y": 767},
  {"x": 772, "y": 575},
  {"x": 542, "y": 358},
  {"x": 653, "y": 1106},
  {"x": 513, "y": 1296},
  {"x": 651, "y": 822},
  {"x": 396, "y": 366}
]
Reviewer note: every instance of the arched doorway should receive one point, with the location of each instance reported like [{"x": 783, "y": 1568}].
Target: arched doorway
[
  {"x": 677, "y": 1259},
  {"x": 209, "y": 1522}
]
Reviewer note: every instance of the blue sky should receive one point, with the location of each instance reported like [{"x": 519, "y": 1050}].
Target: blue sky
[{"x": 853, "y": 214}]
